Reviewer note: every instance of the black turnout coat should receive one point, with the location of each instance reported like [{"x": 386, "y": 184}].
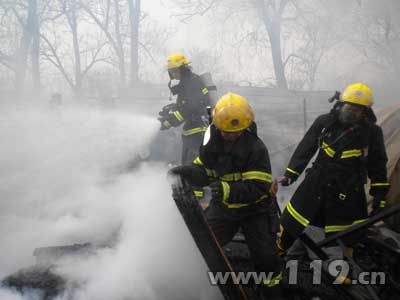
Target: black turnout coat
[
  {"x": 332, "y": 194},
  {"x": 243, "y": 168}
]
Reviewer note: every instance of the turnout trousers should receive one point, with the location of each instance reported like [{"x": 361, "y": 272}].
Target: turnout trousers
[
  {"x": 260, "y": 232},
  {"x": 190, "y": 147}
]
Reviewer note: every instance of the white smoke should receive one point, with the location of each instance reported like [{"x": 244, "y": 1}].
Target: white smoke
[
  {"x": 79, "y": 177},
  {"x": 10, "y": 295}
]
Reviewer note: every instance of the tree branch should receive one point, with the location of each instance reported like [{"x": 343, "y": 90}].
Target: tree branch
[
  {"x": 6, "y": 60},
  {"x": 148, "y": 52},
  {"x": 102, "y": 27},
  {"x": 292, "y": 55},
  {"x": 7, "y": 65},
  {"x": 283, "y": 6},
  {"x": 55, "y": 60},
  {"x": 19, "y": 18},
  {"x": 107, "y": 14},
  {"x": 197, "y": 11},
  {"x": 94, "y": 60}
]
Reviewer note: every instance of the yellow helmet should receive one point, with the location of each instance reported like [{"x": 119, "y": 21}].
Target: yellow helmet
[
  {"x": 357, "y": 93},
  {"x": 176, "y": 60},
  {"x": 232, "y": 113}
]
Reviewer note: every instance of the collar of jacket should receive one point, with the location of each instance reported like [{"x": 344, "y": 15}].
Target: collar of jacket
[
  {"x": 216, "y": 143},
  {"x": 186, "y": 76},
  {"x": 183, "y": 82}
]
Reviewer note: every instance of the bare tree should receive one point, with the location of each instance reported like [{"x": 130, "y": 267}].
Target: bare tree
[
  {"x": 35, "y": 31},
  {"x": 117, "y": 27},
  {"x": 134, "y": 16},
  {"x": 379, "y": 38},
  {"x": 310, "y": 30},
  {"x": 270, "y": 12},
  {"x": 29, "y": 16},
  {"x": 152, "y": 46},
  {"x": 108, "y": 18},
  {"x": 21, "y": 59},
  {"x": 295, "y": 33},
  {"x": 9, "y": 26},
  {"x": 54, "y": 51},
  {"x": 26, "y": 13}
]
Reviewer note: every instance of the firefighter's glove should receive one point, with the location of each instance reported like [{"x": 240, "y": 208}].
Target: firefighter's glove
[
  {"x": 378, "y": 205},
  {"x": 217, "y": 192},
  {"x": 192, "y": 174},
  {"x": 286, "y": 181},
  {"x": 289, "y": 177},
  {"x": 165, "y": 124}
]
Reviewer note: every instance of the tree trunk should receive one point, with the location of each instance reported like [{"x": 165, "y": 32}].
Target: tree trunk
[
  {"x": 21, "y": 63},
  {"x": 22, "y": 52},
  {"x": 274, "y": 33},
  {"x": 119, "y": 45},
  {"x": 72, "y": 19},
  {"x": 134, "y": 16},
  {"x": 271, "y": 17},
  {"x": 35, "y": 48}
]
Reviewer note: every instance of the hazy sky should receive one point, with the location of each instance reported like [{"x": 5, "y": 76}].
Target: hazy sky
[{"x": 187, "y": 35}]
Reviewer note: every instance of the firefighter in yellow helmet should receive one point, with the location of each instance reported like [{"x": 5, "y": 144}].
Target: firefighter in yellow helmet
[
  {"x": 234, "y": 166},
  {"x": 350, "y": 149},
  {"x": 189, "y": 108}
]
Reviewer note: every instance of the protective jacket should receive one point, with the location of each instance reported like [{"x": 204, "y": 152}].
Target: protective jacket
[
  {"x": 191, "y": 102},
  {"x": 243, "y": 168},
  {"x": 332, "y": 194}
]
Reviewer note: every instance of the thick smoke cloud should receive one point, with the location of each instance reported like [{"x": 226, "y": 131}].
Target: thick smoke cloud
[{"x": 80, "y": 176}]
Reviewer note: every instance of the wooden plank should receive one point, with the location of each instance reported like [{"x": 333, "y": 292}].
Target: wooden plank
[{"x": 204, "y": 238}]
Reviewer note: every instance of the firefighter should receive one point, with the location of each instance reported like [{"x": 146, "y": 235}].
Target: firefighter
[
  {"x": 190, "y": 107},
  {"x": 234, "y": 165},
  {"x": 350, "y": 149}
]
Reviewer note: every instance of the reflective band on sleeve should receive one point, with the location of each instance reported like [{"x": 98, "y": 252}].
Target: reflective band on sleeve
[
  {"x": 199, "y": 194},
  {"x": 298, "y": 217},
  {"x": 210, "y": 173},
  {"x": 380, "y": 184},
  {"x": 257, "y": 175},
  {"x": 382, "y": 204},
  {"x": 205, "y": 91},
  {"x": 351, "y": 153},
  {"x": 335, "y": 228},
  {"x": 329, "y": 151},
  {"x": 194, "y": 131},
  {"x": 198, "y": 161},
  {"x": 226, "y": 191},
  {"x": 178, "y": 116},
  {"x": 292, "y": 171},
  {"x": 273, "y": 281}
]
